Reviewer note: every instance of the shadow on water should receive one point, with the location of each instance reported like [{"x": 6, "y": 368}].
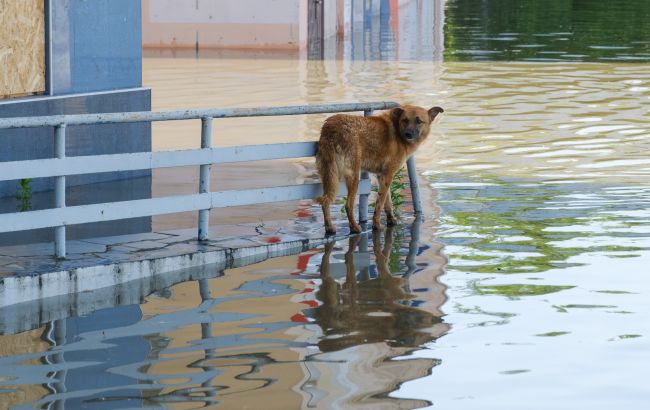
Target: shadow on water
[{"x": 318, "y": 329}]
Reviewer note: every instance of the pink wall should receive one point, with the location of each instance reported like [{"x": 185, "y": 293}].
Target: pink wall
[{"x": 268, "y": 24}]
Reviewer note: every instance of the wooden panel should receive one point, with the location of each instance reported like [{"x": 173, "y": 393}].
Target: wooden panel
[{"x": 22, "y": 47}]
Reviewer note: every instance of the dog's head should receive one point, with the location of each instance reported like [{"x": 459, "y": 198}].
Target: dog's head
[{"x": 412, "y": 123}]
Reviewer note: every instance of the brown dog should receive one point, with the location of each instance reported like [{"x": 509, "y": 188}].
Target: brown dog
[{"x": 380, "y": 144}]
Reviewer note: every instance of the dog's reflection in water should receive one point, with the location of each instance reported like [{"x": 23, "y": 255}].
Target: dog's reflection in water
[{"x": 368, "y": 310}]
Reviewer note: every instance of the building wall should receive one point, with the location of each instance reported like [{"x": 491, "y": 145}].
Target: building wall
[
  {"x": 36, "y": 143},
  {"x": 22, "y": 47},
  {"x": 262, "y": 24},
  {"x": 93, "y": 64},
  {"x": 224, "y": 24},
  {"x": 96, "y": 45},
  {"x": 30, "y": 342},
  {"x": 96, "y": 66}
]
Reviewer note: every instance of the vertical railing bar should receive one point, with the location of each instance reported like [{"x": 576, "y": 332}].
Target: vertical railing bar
[
  {"x": 204, "y": 178},
  {"x": 415, "y": 186},
  {"x": 59, "y": 191},
  {"x": 363, "y": 198}
]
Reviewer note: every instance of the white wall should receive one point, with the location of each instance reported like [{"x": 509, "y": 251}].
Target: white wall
[
  {"x": 263, "y": 24},
  {"x": 224, "y": 11},
  {"x": 224, "y": 23}
]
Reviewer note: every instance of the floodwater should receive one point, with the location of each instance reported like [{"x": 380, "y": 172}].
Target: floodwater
[{"x": 526, "y": 286}]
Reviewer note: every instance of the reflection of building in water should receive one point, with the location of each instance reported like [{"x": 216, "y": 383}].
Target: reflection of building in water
[
  {"x": 95, "y": 380},
  {"x": 234, "y": 348},
  {"x": 21, "y": 344}
]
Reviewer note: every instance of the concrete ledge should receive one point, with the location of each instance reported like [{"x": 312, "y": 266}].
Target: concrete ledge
[
  {"x": 19, "y": 289},
  {"x": 30, "y": 315},
  {"x": 26, "y": 288},
  {"x": 27, "y": 302}
]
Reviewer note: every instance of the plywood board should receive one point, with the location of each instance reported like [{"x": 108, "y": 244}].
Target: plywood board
[{"x": 22, "y": 47}]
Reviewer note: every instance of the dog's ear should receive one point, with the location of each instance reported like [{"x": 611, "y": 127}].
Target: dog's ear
[
  {"x": 395, "y": 115},
  {"x": 433, "y": 112}
]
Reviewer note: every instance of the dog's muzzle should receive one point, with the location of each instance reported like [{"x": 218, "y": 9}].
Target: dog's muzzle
[{"x": 410, "y": 135}]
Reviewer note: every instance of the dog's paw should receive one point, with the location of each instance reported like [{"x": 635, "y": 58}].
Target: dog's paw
[
  {"x": 391, "y": 220},
  {"x": 377, "y": 228},
  {"x": 355, "y": 229},
  {"x": 330, "y": 231}
]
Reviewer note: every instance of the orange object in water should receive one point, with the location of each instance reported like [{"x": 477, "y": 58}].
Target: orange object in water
[
  {"x": 299, "y": 318},
  {"x": 302, "y": 213}
]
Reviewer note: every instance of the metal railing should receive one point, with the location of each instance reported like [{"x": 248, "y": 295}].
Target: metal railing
[{"x": 61, "y": 166}]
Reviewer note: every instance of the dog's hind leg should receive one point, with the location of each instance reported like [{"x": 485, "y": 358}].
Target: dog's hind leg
[
  {"x": 352, "y": 184},
  {"x": 330, "y": 178}
]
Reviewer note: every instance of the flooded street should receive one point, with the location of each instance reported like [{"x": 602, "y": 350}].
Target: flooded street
[{"x": 525, "y": 287}]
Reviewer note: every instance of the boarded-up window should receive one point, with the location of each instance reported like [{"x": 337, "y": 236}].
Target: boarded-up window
[{"x": 22, "y": 47}]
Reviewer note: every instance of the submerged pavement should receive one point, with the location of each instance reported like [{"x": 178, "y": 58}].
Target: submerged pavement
[
  {"x": 240, "y": 235},
  {"x": 30, "y": 272},
  {"x": 108, "y": 271}
]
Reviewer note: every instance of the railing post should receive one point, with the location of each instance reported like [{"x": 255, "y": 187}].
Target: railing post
[
  {"x": 204, "y": 178},
  {"x": 363, "y": 198},
  {"x": 415, "y": 187},
  {"x": 59, "y": 191}
]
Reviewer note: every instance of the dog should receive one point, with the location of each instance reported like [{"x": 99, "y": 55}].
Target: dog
[{"x": 379, "y": 144}]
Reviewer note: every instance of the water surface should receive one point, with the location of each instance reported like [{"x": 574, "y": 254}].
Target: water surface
[
  {"x": 528, "y": 285},
  {"x": 306, "y": 330},
  {"x": 549, "y": 31}
]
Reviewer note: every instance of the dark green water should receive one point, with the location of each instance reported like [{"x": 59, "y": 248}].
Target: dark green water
[{"x": 549, "y": 30}]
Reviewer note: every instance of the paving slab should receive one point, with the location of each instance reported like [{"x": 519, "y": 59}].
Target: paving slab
[{"x": 31, "y": 272}]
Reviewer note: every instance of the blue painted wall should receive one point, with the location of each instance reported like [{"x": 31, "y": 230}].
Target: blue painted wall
[
  {"x": 96, "y": 67},
  {"x": 35, "y": 143},
  {"x": 96, "y": 45}
]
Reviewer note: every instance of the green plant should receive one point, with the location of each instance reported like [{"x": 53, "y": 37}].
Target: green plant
[
  {"x": 395, "y": 258},
  {"x": 396, "y": 188},
  {"x": 396, "y": 191},
  {"x": 24, "y": 195}
]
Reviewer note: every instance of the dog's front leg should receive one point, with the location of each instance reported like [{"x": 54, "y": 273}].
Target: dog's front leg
[
  {"x": 384, "y": 191},
  {"x": 391, "y": 220},
  {"x": 388, "y": 204}
]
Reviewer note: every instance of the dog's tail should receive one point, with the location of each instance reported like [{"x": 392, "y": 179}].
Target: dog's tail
[{"x": 329, "y": 175}]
